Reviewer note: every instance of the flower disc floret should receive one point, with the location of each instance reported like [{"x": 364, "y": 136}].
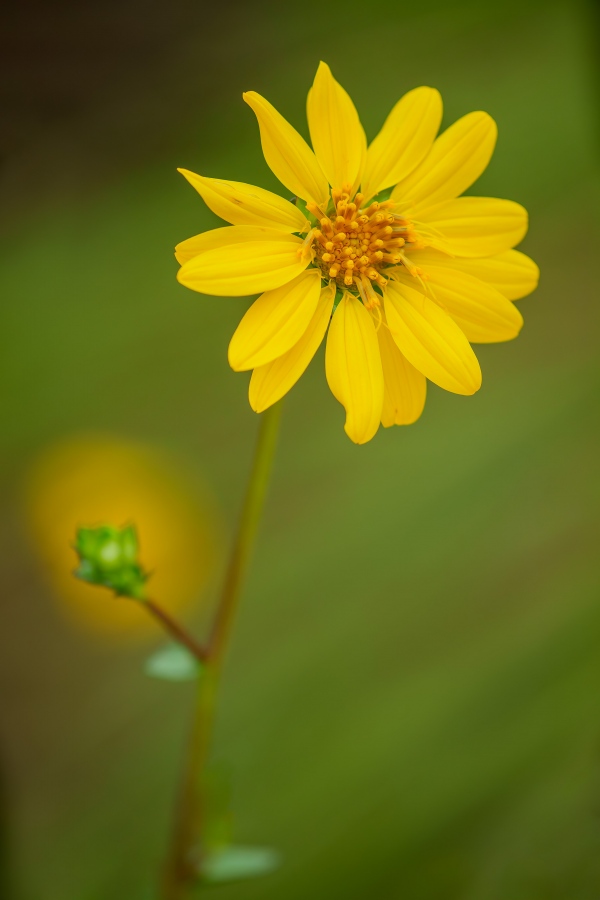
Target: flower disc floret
[{"x": 355, "y": 244}]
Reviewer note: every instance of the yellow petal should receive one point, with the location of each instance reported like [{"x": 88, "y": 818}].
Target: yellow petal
[
  {"x": 337, "y": 136},
  {"x": 405, "y": 139},
  {"x": 225, "y": 237},
  {"x": 431, "y": 340},
  {"x": 353, "y": 368},
  {"x": 245, "y": 268},
  {"x": 405, "y": 388},
  {"x": 512, "y": 273},
  {"x": 475, "y": 226},
  {"x": 361, "y": 168},
  {"x": 481, "y": 312},
  {"x": 269, "y": 383},
  {"x": 287, "y": 154},
  {"x": 456, "y": 160},
  {"x": 275, "y": 322},
  {"x": 245, "y": 204}
]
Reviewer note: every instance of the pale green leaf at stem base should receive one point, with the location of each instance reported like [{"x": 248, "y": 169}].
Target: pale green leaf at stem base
[
  {"x": 237, "y": 863},
  {"x": 173, "y": 662}
]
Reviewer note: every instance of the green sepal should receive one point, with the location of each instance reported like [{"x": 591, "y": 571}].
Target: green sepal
[
  {"x": 173, "y": 662},
  {"x": 383, "y": 195},
  {"x": 108, "y": 557},
  {"x": 301, "y": 204},
  {"x": 336, "y": 300}
]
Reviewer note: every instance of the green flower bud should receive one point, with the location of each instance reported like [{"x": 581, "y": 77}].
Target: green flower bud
[{"x": 108, "y": 557}]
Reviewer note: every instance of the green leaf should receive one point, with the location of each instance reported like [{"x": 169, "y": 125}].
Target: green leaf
[
  {"x": 238, "y": 863},
  {"x": 173, "y": 663}
]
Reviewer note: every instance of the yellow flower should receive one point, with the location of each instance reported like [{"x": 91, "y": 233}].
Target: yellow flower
[
  {"x": 405, "y": 279},
  {"x": 91, "y": 480}
]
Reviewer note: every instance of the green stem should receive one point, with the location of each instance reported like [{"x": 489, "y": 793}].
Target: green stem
[
  {"x": 185, "y": 859},
  {"x": 186, "y": 850},
  {"x": 246, "y": 534},
  {"x": 175, "y": 629}
]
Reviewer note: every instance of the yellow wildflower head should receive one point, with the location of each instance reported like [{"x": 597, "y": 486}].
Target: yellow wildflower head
[
  {"x": 94, "y": 480},
  {"x": 377, "y": 248}
]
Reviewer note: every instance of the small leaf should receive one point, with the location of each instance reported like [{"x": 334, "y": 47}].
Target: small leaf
[
  {"x": 173, "y": 663},
  {"x": 238, "y": 863}
]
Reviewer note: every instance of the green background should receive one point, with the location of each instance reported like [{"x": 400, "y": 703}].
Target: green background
[{"x": 411, "y": 706}]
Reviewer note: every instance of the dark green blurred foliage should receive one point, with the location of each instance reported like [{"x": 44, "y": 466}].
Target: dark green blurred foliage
[{"x": 410, "y": 708}]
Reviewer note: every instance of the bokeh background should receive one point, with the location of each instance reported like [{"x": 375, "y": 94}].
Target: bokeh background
[{"x": 411, "y": 707}]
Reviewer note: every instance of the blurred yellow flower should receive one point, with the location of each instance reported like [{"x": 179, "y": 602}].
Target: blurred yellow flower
[
  {"x": 412, "y": 277},
  {"x": 98, "y": 479}
]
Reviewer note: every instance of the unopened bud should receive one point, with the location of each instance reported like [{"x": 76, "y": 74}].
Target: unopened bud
[{"x": 108, "y": 557}]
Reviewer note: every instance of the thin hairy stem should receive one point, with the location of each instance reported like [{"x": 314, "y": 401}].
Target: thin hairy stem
[
  {"x": 246, "y": 534},
  {"x": 186, "y": 856},
  {"x": 175, "y": 630}
]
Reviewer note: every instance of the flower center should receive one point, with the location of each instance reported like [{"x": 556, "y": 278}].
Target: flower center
[{"x": 353, "y": 246}]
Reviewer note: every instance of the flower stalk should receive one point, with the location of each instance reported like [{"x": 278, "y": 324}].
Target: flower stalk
[
  {"x": 247, "y": 528},
  {"x": 184, "y": 864},
  {"x": 176, "y": 631}
]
